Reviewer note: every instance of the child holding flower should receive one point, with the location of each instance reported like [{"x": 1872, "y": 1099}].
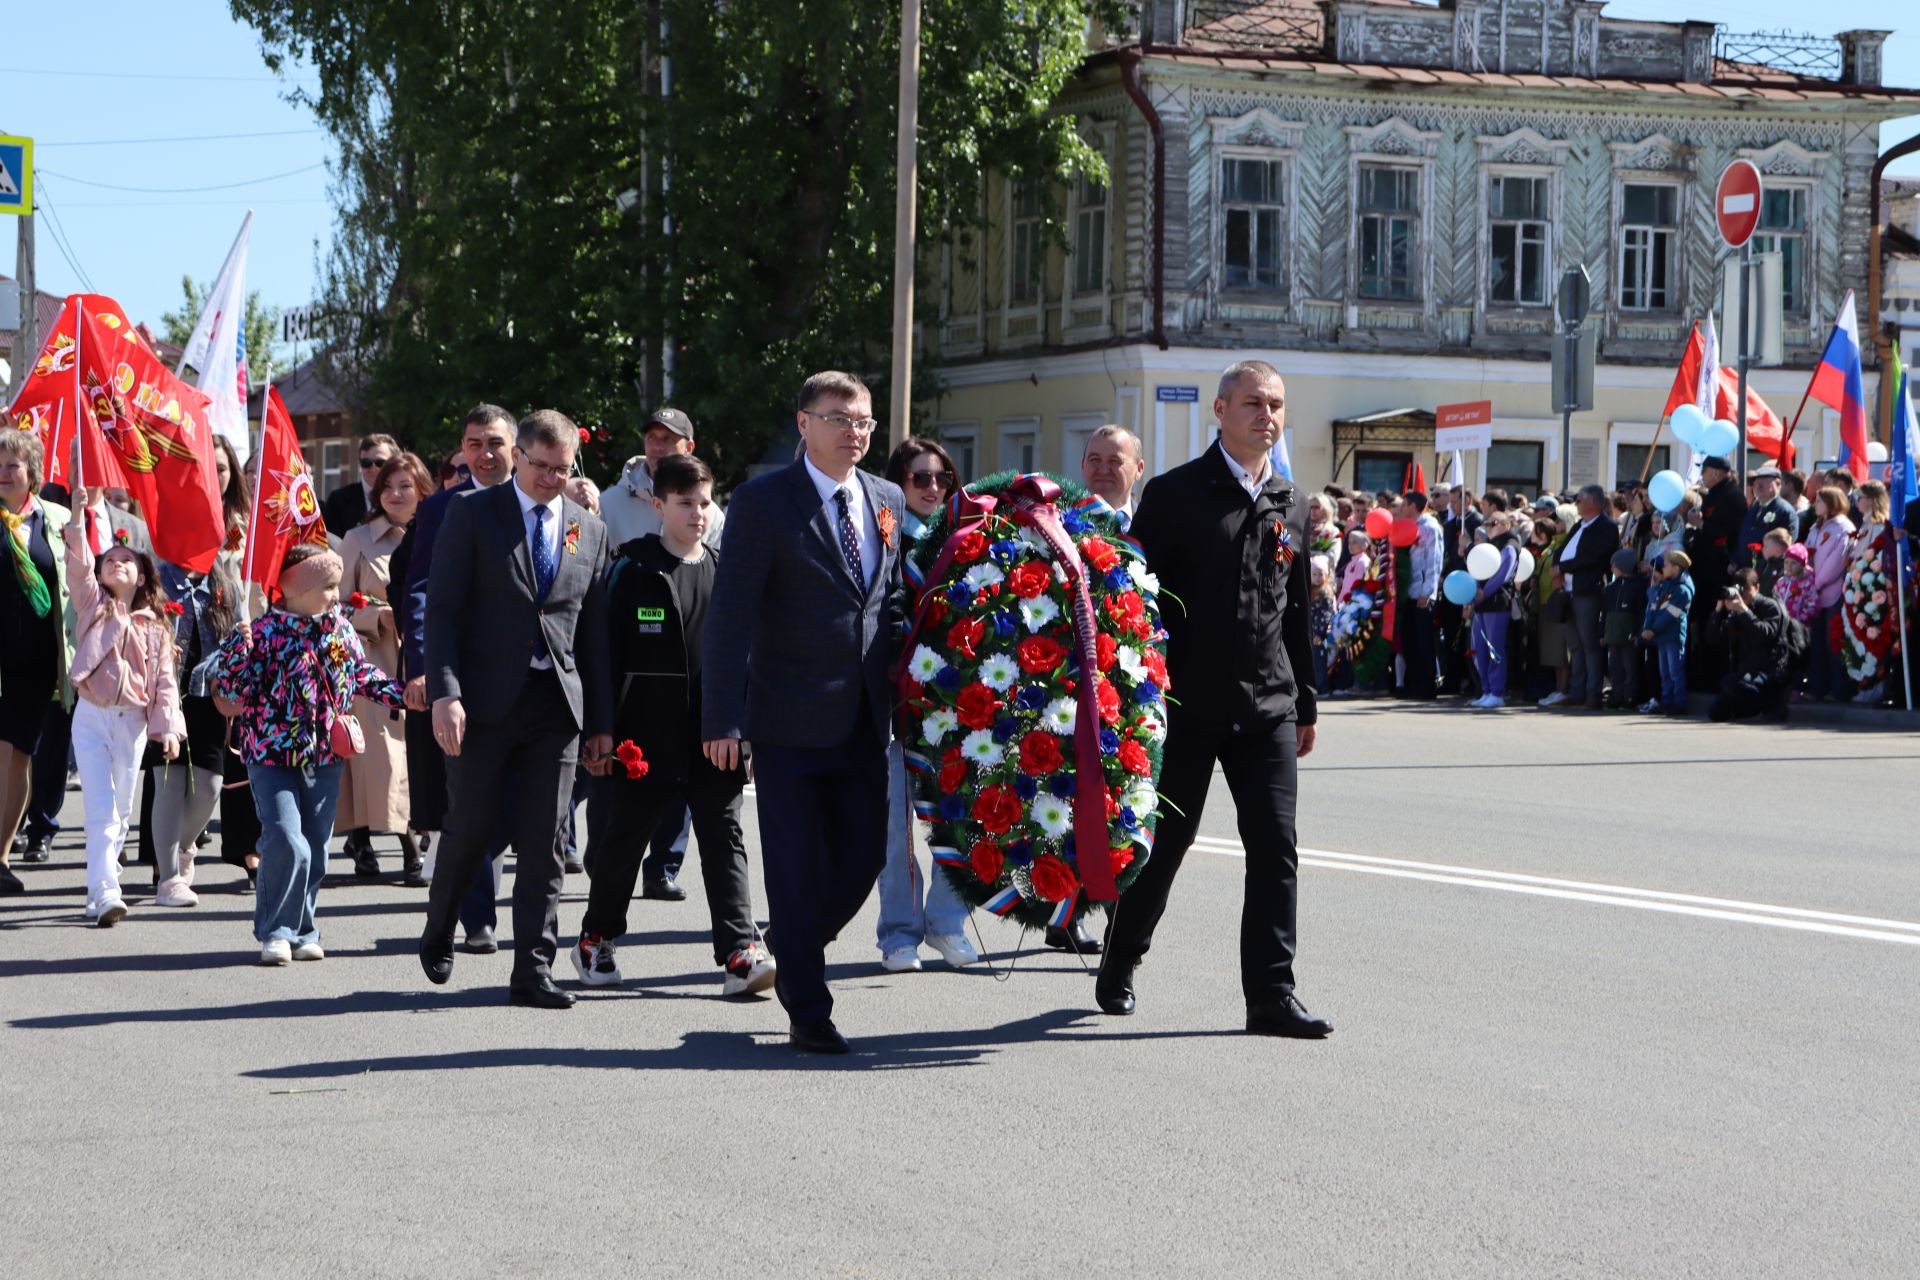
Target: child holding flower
[{"x": 659, "y": 588}]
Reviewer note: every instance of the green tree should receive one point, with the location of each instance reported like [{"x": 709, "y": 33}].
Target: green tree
[
  {"x": 483, "y": 248},
  {"x": 262, "y": 324}
]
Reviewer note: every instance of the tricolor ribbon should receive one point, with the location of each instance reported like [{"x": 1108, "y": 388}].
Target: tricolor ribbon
[
  {"x": 1003, "y": 902},
  {"x": 1062, "y": 912}
]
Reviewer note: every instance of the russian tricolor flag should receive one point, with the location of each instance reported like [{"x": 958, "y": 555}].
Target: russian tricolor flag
[{"x": 1837, "y": 384}]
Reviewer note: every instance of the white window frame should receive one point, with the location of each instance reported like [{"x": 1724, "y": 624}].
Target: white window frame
[
  {"x": 333, "y": 462},
  {"x": 1523, "y": 153},
  {"x": 1623, "y": 250},
  {"x": 961, "y": 437},
  {"x": 1765, "y": 241},
  {"x": 1280, "y": 289},
  {"x": 1547, "y": 221},
  {"x": 1010, "y": 432},
  {"x": 1393, "y": 143},
  {"x": 1033, "y": 308},
  {"x": 1532, "y": 431},
  {"x": 1416, "y": 281},
  {"x": 1639, "y": 435},
  {"x": 1075, "y": 430},
  {"x": 1072, "y": 298},
  {"x": 1787, "y": 164}
]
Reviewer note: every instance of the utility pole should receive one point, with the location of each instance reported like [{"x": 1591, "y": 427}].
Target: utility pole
[
  {"x": 906, "y": 199},
  {"x": 26, "y": 342}
]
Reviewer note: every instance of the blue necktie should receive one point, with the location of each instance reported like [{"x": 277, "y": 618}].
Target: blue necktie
[
  {"x": 849, "y": 540},
  {"x": 543, "y": 571}
]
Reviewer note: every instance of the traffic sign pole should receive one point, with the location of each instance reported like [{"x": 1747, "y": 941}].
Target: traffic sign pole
[
  {"x": 1746, "y": 355},
  {"x": 1736, "y": 207}
]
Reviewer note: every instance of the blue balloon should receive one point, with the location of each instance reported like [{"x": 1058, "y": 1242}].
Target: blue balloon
[
  {"x": 1687, "y": 422},
  {"x": 1667, "y": 490},
  {"x": 1718, "y": 439},
  {"x": 1460, "y": 588}
]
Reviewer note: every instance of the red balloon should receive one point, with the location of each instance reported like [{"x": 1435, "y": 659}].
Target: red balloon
[
  {"x": 1379, "y": 523},
  {"x": 1404, "y": 533}
]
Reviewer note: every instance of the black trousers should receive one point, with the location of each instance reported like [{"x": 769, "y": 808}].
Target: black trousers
[
  {"x": 1417, "y": 650},
  {"x": 1455, "y": 665},
  {"x": 49, "y": 792},
  {"x": 530, "y": 753},
  {"x": 1262, "y": 771},
  {"x": 823, "y": 840},
  {"x": 1745, "y": 697},
  {"x": 633, "y": 815}
]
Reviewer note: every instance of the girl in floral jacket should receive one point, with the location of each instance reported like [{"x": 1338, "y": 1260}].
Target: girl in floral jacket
[{"x": 294, "y": 676}]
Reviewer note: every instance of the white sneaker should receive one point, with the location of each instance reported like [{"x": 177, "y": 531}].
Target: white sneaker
[
  {"x": 954, "y": 949},
  {"x": 593, "y": 961},
  {"x": 1553, "y": 699},
  {"x": 111, "y": 914},
  {"x": 750, "y": 970},
  {"x": 186, "y": 864},
  {"x": 903, "y": 960},
  {"x": 309, "y": 951},
  {"x": 276, "y": 951},
  {"x": 174, "y": 893}
]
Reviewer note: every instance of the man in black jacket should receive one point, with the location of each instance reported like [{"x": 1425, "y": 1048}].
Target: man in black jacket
[
  {"x": 1582, "y": 571},
  {"x": 1723, "y": 509},
  {"x": 1752, "y": 631},
  {"x": 1227, "y": 537}
]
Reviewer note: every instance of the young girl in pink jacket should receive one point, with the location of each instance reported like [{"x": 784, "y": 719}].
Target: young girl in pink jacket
[{"x": 123, "y": 671}]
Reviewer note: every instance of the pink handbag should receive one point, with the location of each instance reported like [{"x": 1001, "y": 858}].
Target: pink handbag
[{"x": 343, "y": 734}]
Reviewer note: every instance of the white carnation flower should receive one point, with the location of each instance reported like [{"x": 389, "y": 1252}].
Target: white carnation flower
[
  {"x": 982, "y": 576},
  {"x": 981, "y": 749},
  {"x": 1038, "y": 612},
  {"x": 925, "y": 664},
  {"x": 1142, "y": 800},
  {"x": 1153, "y": 730},
  {"x": 1052, "y": 815},
  {"x": 1131, "y": 662},
  {"x": 938, "y": 724},
  {"x": 1060, "y": 716},
  {"x": 1143, "y": 579},
  {"x": 999, "y": 672},
  {"x": 1038, "y": 543}
]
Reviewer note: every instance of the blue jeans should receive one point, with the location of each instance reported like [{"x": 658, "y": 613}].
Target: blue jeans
[
  {"x": 904, "y": 921},
  {"x": 1673, "y": 674},
  {"x": 296, "y": 822}
]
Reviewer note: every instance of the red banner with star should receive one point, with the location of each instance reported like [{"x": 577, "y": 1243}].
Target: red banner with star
[
  {"x": 143, "y": 429},
  {"x": 286, "y": 507}
]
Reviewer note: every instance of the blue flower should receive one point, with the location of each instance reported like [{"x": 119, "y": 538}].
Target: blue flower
[
  {"x": 1074, "y": 522},
  {"x": 1067, "y": 849},
  {"x": 1006, "y": 624},
  {"x": 953, "y": 808},
  {"x": 1026, "y": 786},
  {"x": 1128, "y": 818},
  {"x": 1032, "y": 698},
  {"x": 1109, "y": 742},
  {"x": 949, "y": 678},
  {"x": 1146, "y": 695},
  {"x": 1005, "y": 728},
  {"x": 1118, "y": 579},
  {"x": 1019, "y": 853},
  {"x": 1005, "y": 551},
  {"x": 960, "y": 595},
  {"x": 1061, "y": 785}
]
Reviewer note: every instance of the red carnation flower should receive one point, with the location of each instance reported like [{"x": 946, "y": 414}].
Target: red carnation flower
[
  {"x": 629, "y": 755},
  {"x": 586, "y": 436},
  {"x": 953, "y": 771},
  {"x": 1099, "y": 554},
  {"x": 997, "y": 808},
  {"x": 965, "y": 636},
  {"x": 1108, "y": 650},
  {"x": 1129, "y": 613},
  {"x": 1030, "y": 579},
  {"x": 1053, "y": 879},
  {"x": 975, "y": 706},
  {"x": 1107, "y": 698},
  {"x": 1122, "y": 856},
  {"x": 358, "y": 600},
  {"x": 173, "y": 608},
  {"x": 971, "y": 548},
  {"x": 986, "y": 860},
  {"x": 936, "y": 612},
  {"x": 1156, "y": 665},
  {"x": 1038, "y": 655},
  {"x": 1133, "y": 758},
  {"x": 1039, "y": 753}
]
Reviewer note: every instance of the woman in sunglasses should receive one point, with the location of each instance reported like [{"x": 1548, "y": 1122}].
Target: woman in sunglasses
[{"x": 926, "y": 474}]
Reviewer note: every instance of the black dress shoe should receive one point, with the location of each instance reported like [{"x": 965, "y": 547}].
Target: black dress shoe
[
  {"x": 19, "y": 843},
  {"x": 437, "y": 959},
  {"x": 574, "y": 866},
  {"x": 1074, "y": 937},
  {"x": 817, "y": 1037},
  {"x": 9, "y": 882},
  {"x": 663, "y": 889},
  {"x": 39, "y": 849},
  {"x": 366, "y": 863},
  {"x": 1113, "y": 988},
  {"x": 413, "y": 867},
  {"x": 480, "y": 942},
  {"x": 540, "y": 995},
  {"x": 1286, "y": 1016}
]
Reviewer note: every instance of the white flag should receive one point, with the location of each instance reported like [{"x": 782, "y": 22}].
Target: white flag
[
  {"x": 218, "y": 347},
  {"x": 1705, "y": 389}
]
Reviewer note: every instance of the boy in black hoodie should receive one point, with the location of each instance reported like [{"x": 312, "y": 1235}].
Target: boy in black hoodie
[
  {"x": 658, "y": 589},
  {"x": 1623, "y": 603}
]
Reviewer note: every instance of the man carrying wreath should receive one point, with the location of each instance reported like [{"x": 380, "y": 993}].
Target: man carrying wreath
[{"x": 1227, "y": 538}]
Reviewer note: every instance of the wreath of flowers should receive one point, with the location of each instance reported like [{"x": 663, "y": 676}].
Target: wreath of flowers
[
  {"x": 1360, "y": 624},
  {"x": 1865, "y": 636},
  {"x": 991, "y": 699}
]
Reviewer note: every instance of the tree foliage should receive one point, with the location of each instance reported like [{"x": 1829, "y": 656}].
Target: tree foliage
[
  {"x": 481, "y": 247},
  {"x": 262, "y": 323}
]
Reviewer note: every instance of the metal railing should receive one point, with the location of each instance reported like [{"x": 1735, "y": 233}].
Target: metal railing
[
  {"x": 1797, "y": 53},
  {"x": 1255, "y": 24}
]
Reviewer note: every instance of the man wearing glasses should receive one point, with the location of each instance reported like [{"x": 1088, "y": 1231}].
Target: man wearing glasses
[
  {"x": 799, "y": 640},
  {"x": 348, "y": 505}
]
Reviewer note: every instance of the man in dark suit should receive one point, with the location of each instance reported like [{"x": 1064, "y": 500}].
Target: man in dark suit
[
  {"x": 799, "y": 640},
  {"x": 348, "y": 505},
  {"x": 1582, "y": 570},
  {"x": 517, "y": 673},
  {"x": 1227, "y": 537}
]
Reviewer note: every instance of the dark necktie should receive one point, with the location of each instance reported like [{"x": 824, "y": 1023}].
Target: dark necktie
[
  {"x": 849, "y": 540},
  {"x": 543, "y": 569}
]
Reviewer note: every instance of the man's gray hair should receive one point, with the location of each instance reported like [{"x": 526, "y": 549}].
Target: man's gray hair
[
  {"x": 548, "y": 427},
  {"x": 1234, "y": 372},
  {"x": 1595, "y": 494},
  {"x": 1114, "y": 431}
]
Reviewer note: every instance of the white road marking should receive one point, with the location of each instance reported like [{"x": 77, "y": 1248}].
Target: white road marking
[{"x": 1873, "y": 928}]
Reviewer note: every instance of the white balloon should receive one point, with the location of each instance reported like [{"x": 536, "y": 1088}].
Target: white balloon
[
  {"x": 1483, "y": 561},
  {"x": 1524, "y": 569}
]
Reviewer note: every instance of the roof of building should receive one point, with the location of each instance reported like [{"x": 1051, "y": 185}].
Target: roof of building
[
  {"x": 315, "y": 385},
  {"x": 46, "y": 313}
]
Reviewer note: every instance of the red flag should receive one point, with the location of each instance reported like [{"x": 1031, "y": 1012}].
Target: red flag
[
  {"x": 286, "y": 510},
  {"x": 1766, "y": 433},
  {"x": 144, "y": 431},
  {"x": 1686, "y": 380}
]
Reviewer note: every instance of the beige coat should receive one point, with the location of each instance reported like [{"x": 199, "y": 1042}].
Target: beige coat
[{"x": 374, "y": 792}]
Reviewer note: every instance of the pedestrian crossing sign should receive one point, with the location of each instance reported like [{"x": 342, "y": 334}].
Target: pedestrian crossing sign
[{"x": 16, "y": 175}]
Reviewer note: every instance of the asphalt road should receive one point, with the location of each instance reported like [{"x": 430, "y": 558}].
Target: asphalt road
[{"x": 1614, "y": 997}]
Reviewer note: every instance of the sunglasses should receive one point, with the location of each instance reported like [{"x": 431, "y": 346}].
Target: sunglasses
[{"x": 931, "y": 479}]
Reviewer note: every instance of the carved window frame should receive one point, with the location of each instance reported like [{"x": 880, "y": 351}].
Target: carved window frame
[
  {"x": 1786, "y": 164},
  {"x": 1655, "y": 160},
  {"x": 1101, "y": 136},
  {"x": 1523, "y": 153},
  {"x": 1393, "y": 143},
  {"x": 1256, "y": 135}
]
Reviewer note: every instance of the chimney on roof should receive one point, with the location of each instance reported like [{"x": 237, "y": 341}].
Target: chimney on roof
[
  {"x": 1696, "y": 51},
  {"x": 1860, "y": 56},
  {"x": 1164, "y": 21}
]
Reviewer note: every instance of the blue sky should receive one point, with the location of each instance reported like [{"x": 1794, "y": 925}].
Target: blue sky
[{"x": 97, "y": 95}]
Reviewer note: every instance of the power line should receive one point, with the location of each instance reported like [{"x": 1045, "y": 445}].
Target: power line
[
  {"x": 202, "y": 137},
  {"x": 161, "y": 191},
  {"x": 138, "y": 75},
  {"x": 60, "y": 240},
  {"x": 192, "y": 204}
]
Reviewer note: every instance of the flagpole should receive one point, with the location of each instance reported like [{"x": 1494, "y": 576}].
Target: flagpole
[
  {"x": 1900, "y": 590},
  {"x": 81, "y": 412}
]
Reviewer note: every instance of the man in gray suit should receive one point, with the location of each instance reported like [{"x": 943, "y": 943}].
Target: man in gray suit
[
  {"x": 800, "y": 637},
  {"x": 516, "y": 655}
]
